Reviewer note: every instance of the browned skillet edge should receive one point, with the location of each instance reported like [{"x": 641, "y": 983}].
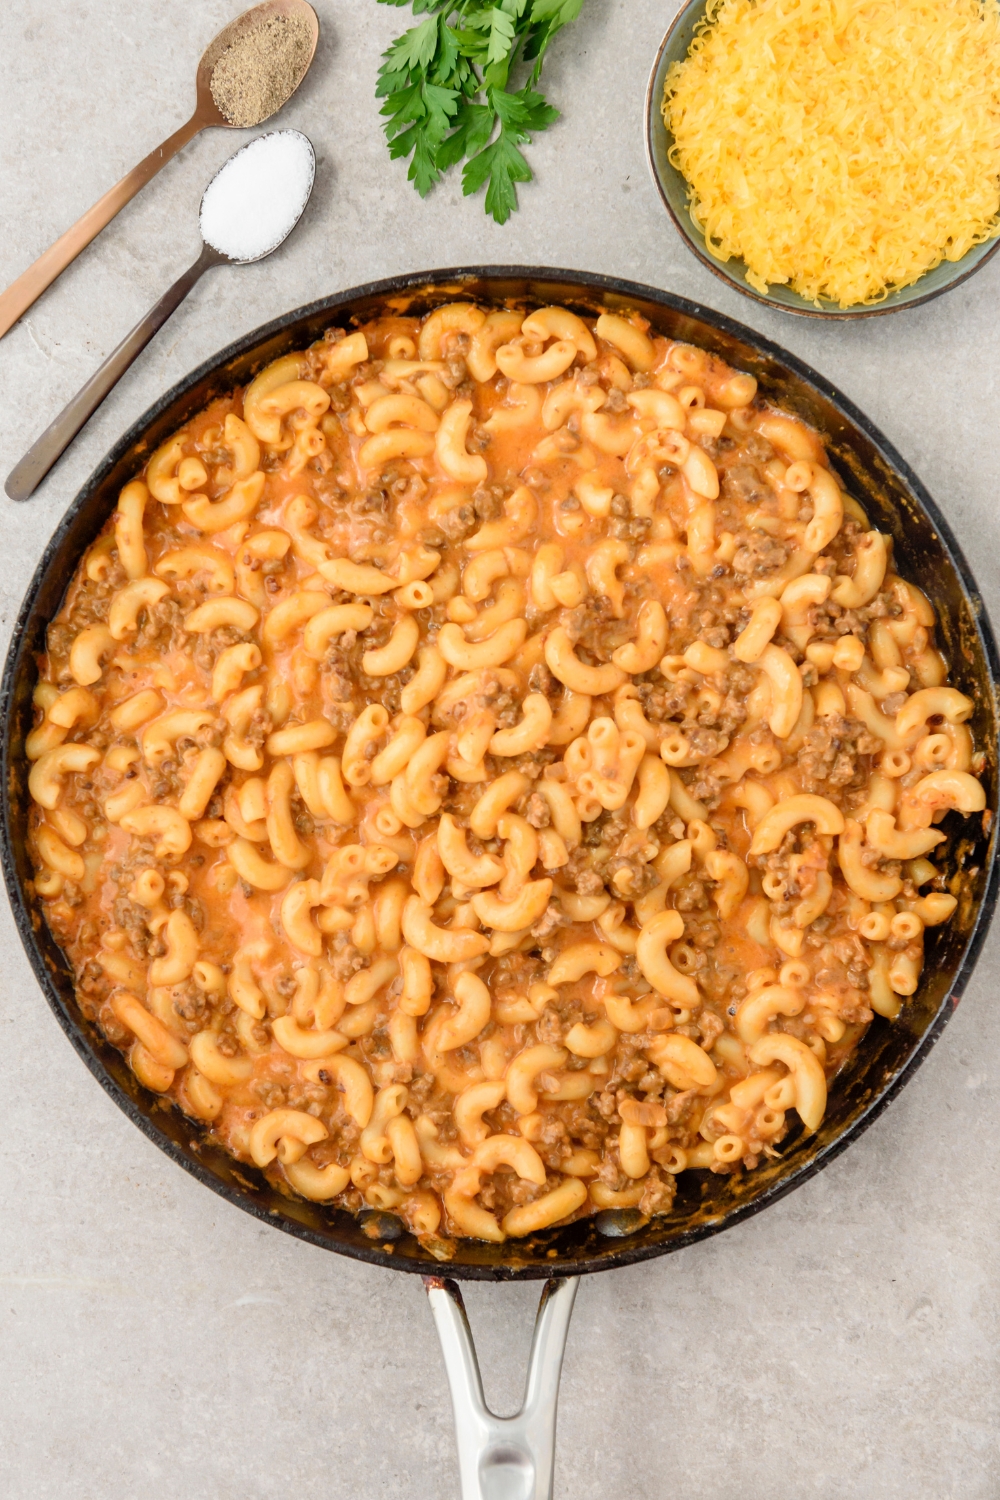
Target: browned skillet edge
[{"x": 709, "y": 1204}]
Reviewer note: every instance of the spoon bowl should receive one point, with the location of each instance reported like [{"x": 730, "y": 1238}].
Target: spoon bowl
[
  {"x": 247, "y": 184},
  {"x": 207, "y": 112}
]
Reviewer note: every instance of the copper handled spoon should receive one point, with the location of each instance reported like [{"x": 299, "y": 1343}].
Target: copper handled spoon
[
  {"x": 248, "y": 209},
  {"x": 33, "y": 282}
]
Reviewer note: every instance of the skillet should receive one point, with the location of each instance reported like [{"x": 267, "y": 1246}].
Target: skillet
[{"x": 512, "y": 1458}]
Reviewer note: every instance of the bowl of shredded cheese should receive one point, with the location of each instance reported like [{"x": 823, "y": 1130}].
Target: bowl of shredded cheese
[{"x": 835, "y": 158}]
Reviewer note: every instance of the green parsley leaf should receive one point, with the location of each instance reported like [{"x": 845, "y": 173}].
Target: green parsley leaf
[
  {"x": 419, "y": 6},
  {"x": 415, "y": 48},
  {"x": 501, "y": 164},
  {"x": 501, "y": 35},
  {"x": 524, "y": 112},
  {"x": 448, "y": 58},
  {"x": 559, "y": 11},
  {"x": 447, "y": 88},
  {"x": 474, "y": 127},
  {"x": 547, "y": 17}
]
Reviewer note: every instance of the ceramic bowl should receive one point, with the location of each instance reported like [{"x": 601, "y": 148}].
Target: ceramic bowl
[{"x": 673, "y": 189}]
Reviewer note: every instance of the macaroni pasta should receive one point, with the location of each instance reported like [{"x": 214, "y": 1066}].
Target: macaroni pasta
[{"x": 488, "y": 767}]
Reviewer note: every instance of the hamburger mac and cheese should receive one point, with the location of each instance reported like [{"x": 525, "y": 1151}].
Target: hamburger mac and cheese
[{"x": 488, "y": 767}]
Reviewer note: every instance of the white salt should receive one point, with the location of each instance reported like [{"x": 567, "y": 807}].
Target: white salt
[{"x": 257, "y": 198}]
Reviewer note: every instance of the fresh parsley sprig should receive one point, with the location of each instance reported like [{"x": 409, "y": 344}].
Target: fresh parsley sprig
[{"x": 448, "y": 96}]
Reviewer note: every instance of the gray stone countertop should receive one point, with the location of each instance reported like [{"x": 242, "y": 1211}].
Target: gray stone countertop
[{"x": 158, "y": 1341}]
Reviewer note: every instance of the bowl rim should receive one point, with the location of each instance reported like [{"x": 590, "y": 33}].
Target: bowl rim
[
  {"x": 719, "y": 268},
  {"x": 450, "y": 280}
]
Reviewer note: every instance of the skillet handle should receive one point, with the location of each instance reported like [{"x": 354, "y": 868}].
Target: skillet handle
[{"x": 504, "y": 1458}]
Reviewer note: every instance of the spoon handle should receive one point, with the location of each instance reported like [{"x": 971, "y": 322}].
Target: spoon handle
[
  {"x": 42, "y": 273},
  {"x": 24, "y": 479}
]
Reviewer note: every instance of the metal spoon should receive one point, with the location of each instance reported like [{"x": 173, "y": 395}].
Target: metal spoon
[
  {"x": 25, "y": 478},
  {"x": 33, "y": 282}
]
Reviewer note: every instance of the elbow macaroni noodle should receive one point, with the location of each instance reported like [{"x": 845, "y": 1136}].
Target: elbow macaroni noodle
[{"x": 488, "y": 767}]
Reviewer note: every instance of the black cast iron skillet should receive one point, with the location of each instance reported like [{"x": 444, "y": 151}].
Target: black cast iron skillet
[
  {"x": 926, "y": 553},
  {"x": 512, "y": 1458}
]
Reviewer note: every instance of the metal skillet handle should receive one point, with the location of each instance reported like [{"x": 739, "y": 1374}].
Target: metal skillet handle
[{"x": 504, "y": 1458}]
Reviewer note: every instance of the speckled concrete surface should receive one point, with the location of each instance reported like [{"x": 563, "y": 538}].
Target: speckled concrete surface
[{"x": 156, "y": 1340}]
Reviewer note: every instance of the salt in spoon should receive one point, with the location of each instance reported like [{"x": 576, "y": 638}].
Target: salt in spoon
[
  {"x": 30, "y": 285},
  {"x": 248, "y": 209}
]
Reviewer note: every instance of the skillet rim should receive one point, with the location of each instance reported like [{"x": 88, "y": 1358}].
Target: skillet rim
[{"x": 372, "y": 1253}]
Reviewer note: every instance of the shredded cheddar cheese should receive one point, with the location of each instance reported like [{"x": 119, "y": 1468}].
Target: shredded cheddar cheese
[{"x": 840, "y": 147}]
